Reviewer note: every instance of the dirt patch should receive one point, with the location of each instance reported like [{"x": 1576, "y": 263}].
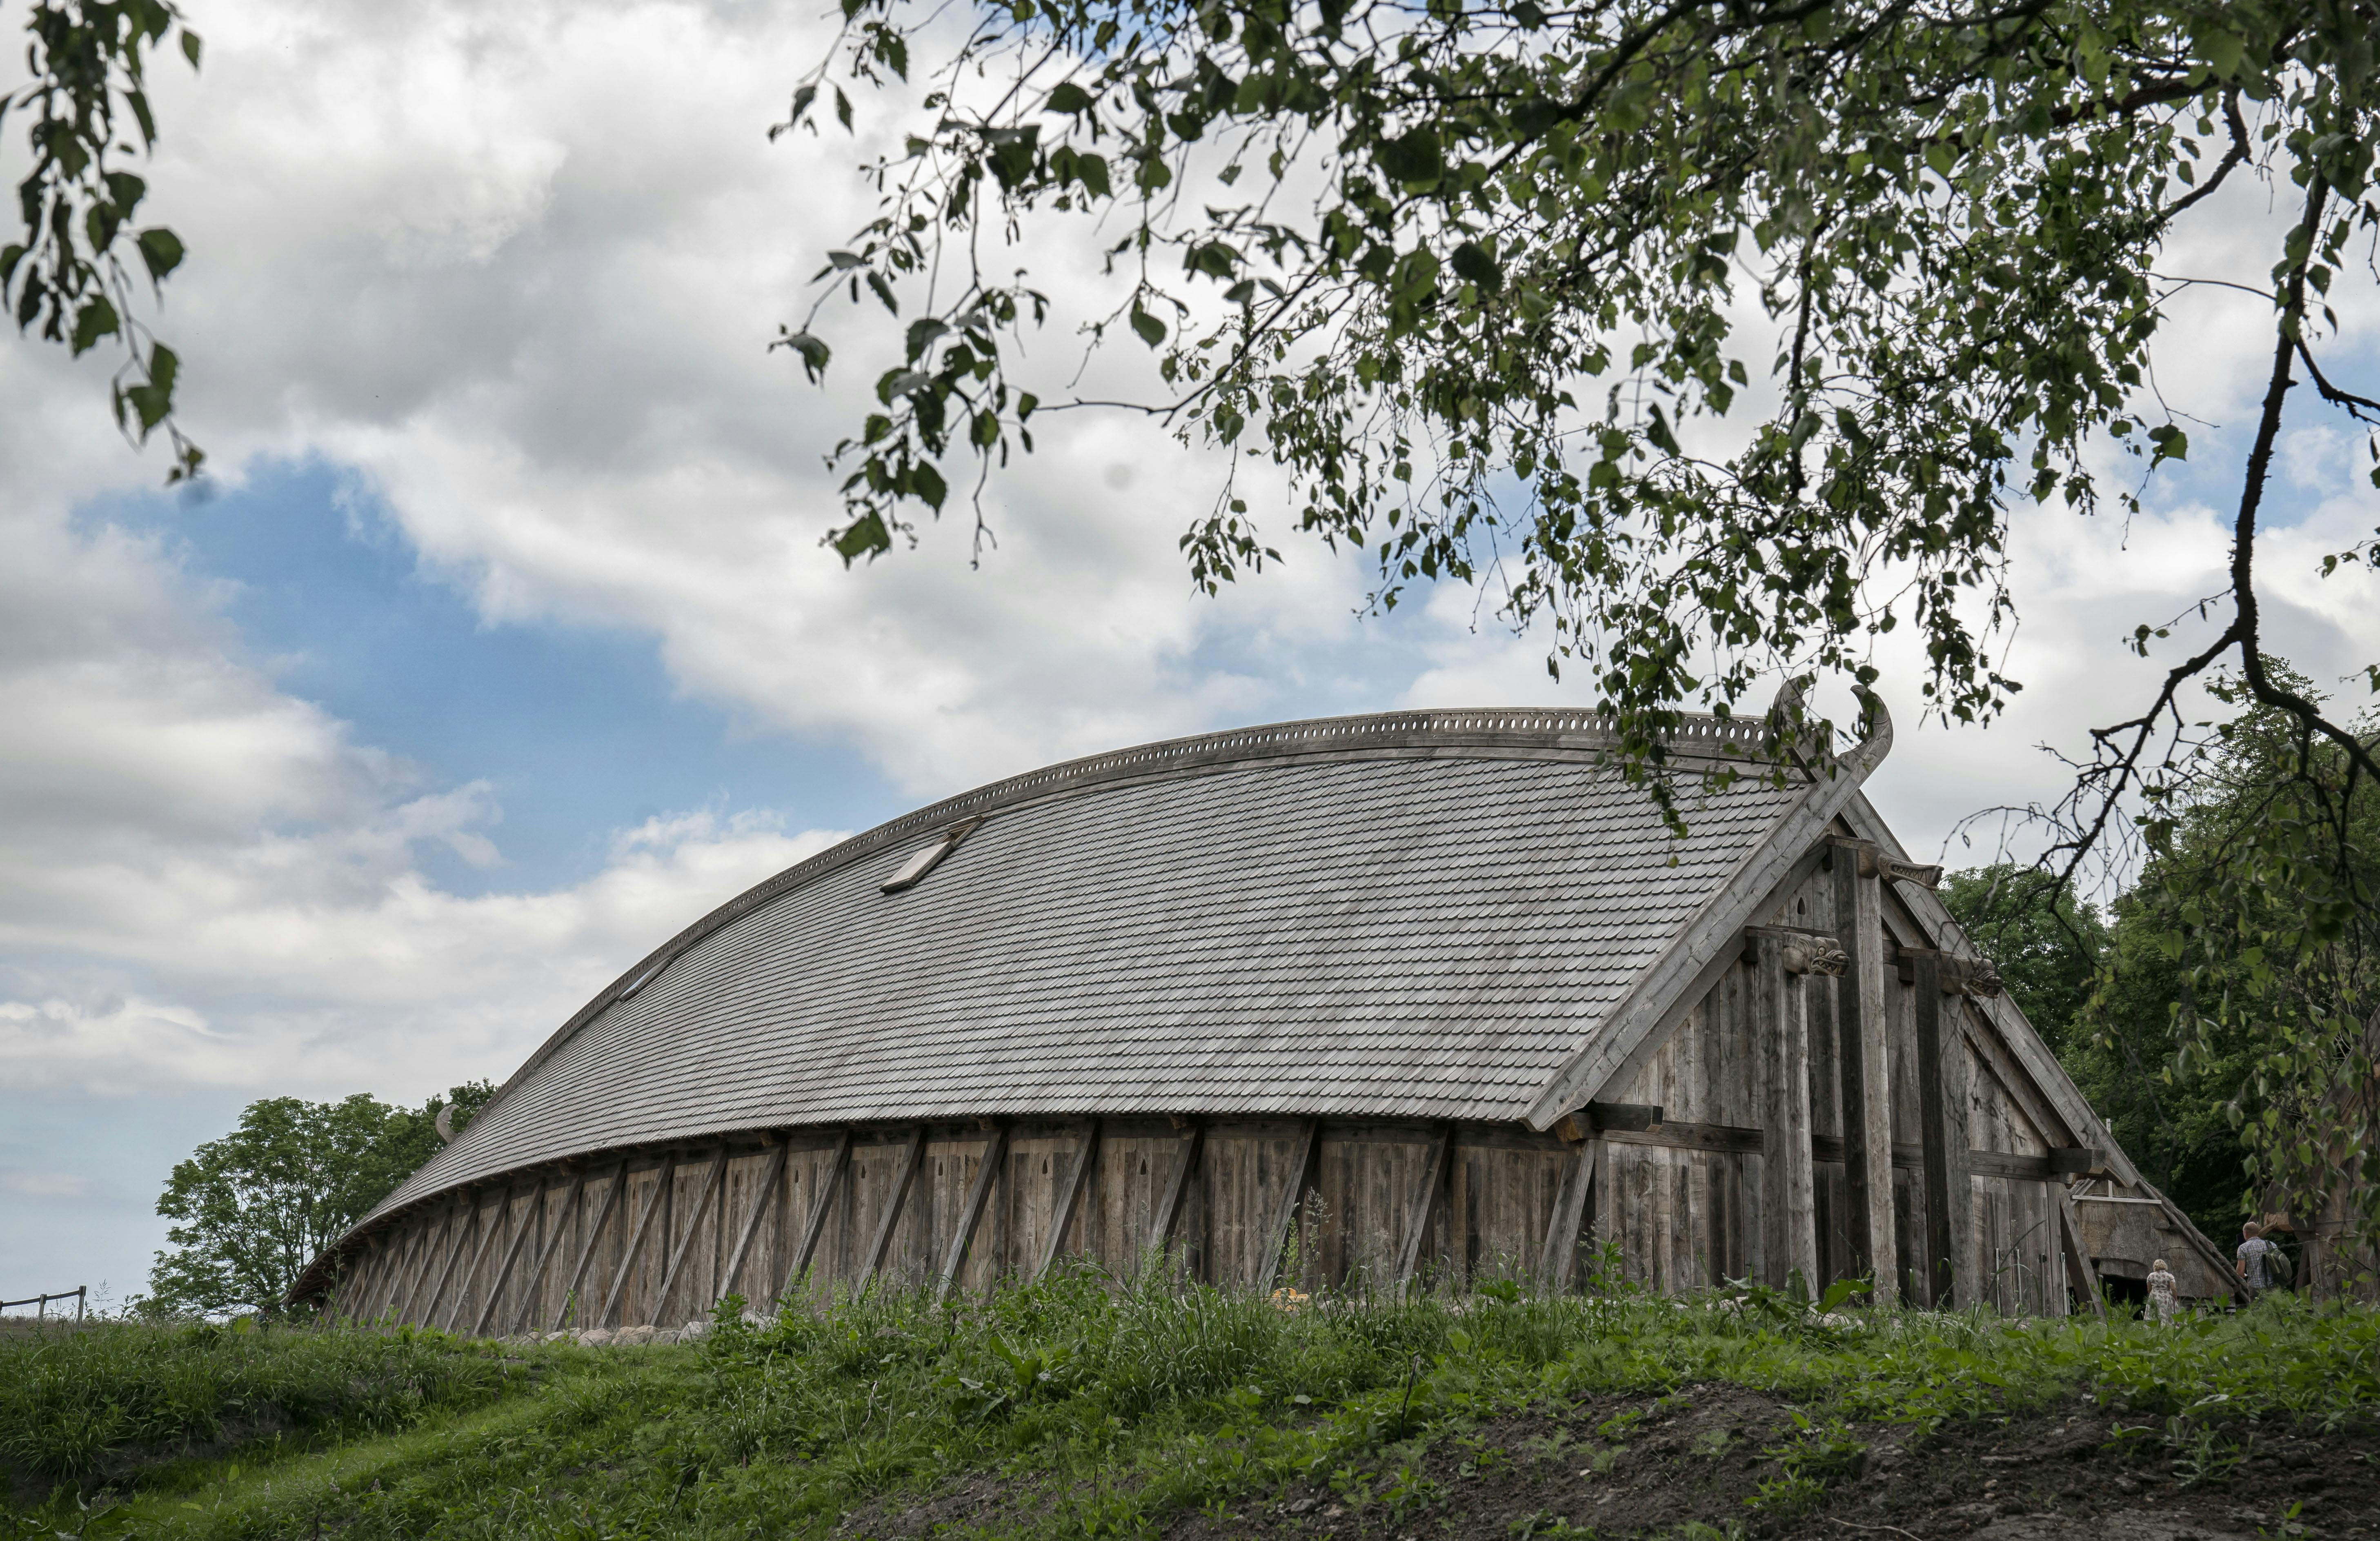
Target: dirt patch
[{"x": 1740, "y": 1461}]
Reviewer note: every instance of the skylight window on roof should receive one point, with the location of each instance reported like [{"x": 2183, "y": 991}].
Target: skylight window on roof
[
  {"x": 647, "y": 977},
  {"x": 912, "y": 871}
]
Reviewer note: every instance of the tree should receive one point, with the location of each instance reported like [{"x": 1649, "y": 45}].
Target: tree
[
  {"x": 257, "y": 1205},
  {"x": 2103, "y": 998},
  {"x": 1722, "y": 336},
  {"x": 74, "y": 269}
]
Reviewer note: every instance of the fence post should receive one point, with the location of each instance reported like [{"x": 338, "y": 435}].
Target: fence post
[{"x": 80, "y": 1291}]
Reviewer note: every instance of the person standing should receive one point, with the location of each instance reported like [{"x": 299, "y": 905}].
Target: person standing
[
  {"x": 2256, "y": 1261},
  {"x": 2163, "y": 1308}
]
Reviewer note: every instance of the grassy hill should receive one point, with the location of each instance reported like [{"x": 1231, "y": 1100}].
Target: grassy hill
[{"x": 1074, "y": 1408}]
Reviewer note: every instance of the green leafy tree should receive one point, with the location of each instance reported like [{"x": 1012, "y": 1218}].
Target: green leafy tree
[
  {"x": 255, "y": 1206},
  {"x": 2104, "y": 999},
  {"x": 77, "y": 272}
]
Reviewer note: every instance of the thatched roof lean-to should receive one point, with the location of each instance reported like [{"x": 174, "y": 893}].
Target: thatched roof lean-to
[{"x": 1451, "y": 915}]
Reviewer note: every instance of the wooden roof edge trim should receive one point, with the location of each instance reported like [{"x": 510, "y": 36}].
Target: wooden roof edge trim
[
  {"x": 1638, "y": 1013},
  {"x": 1516, "y": 727},
  {"x": 2018, "y": 1035}
]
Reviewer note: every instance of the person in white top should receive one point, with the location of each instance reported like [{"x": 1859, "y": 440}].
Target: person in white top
[{"x": 2163, "y": 1307}]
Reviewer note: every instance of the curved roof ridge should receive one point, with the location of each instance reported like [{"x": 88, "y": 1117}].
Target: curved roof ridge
[{"x": 1542, "y": 728}]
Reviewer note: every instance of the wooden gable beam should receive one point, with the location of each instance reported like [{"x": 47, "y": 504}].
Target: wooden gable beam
[{"x": 1706, "y": 944}]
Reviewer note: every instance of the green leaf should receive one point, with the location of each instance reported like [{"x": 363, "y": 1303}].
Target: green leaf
[
  {"x": 190, "y": 47},
  {"x": 864, "y": 536},
  {"x": 1068, "y": 97},
  {"x": 927, "y": 483},
  {"x": 96, "y": 320},
  {"x": 1151, "y": 328},
  {"x": 1472, "y": 263},
  {"x": 161, "y": 251},
  {"x": 1413, "y": 159}
]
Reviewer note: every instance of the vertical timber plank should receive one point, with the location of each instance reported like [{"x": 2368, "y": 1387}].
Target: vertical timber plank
[
  {"x": 594, "y": 1235},
  {"x": 1787, "y": 1207},
  {"x": 1942, "y": 1136},
  {"x": 1861, "y": 1043}
]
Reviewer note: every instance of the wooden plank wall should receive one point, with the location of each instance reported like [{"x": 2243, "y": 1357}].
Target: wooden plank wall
[{"x": 548, "y": 1248}]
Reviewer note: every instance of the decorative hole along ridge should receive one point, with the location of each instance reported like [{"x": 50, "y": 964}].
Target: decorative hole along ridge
[{"x": 1510, "y": 728}]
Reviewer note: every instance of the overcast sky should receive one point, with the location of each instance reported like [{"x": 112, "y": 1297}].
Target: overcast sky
[{"x": 500, "y": 644}]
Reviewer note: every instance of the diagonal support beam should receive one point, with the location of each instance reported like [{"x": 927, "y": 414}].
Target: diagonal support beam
[
  {"x": 1424, "y": 1209},
  {"x": 1560, "y": 1258},
  {"x": 587, "y": 1249},
  {"x": 710, "y": 1183},
  {"x": 512, "y": 1255},
  {"x": 769, "y": 1186},
  {"x": 425, "y": 1259},
  {"x": 637, "y": 1241},
  {"x": 995, "y": 1153},
  {"x": 1301, "y": 1175},
  {"x": 837, "y": 1165},
  {"x": 489, "y": 1231},
  {"x": 893, "y": 1205},
  {"x": 569, "y": 1206},
  {"x": 466, "y": 1209},
  {"x": 1070, "y": 1198},
  {"x": 1177, "y": 1184},
  {"x": 2077, "y": 1256}
]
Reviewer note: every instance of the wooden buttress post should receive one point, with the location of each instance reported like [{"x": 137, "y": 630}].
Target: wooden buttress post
[
  {"x": 1070, "y": 1198},
  {"x": 512, "y": 1255},
  {"x": 1177, "y": 1184},
  {"x": 987, "y": 1172},
  {"x": 545, "y": 1253},
  {"x": 587, "y": 1248},
  {"x": 1560, "y": 1258},
  {"x": 635, "y": 1246},
  {"x": 1425, "y": 1200},
  {"x": 911, "y": 1159},
  {"x": 1789, "y": 1210},
  {"x": 425, "y": 1259},
  {"x": 1861, "y": 1040},
  {"x": 466, "y": 1209},
  {"x": 489, "y": 1231},
  {"x": 837, "y": 1164},
  {"x": 1301, "y": 1173},
  {"x": 710, "y": 1183},
  {"x": 2079, "y": 1273},
  {"x": 1942, "y": 1104},
  {"x": 767, "y": 1191}
]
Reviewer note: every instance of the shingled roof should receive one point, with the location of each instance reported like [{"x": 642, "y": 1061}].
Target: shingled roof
[{"x": 1420, "y": 915}]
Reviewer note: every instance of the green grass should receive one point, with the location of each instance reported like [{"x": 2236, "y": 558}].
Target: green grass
[{"x": 1099, "y": 1411}]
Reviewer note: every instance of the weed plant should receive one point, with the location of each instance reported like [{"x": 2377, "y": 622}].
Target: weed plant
[{"x": 1099, "y": 1408}]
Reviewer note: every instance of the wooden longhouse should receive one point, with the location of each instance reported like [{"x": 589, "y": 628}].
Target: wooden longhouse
[{"x": 1435, "y": 994}]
